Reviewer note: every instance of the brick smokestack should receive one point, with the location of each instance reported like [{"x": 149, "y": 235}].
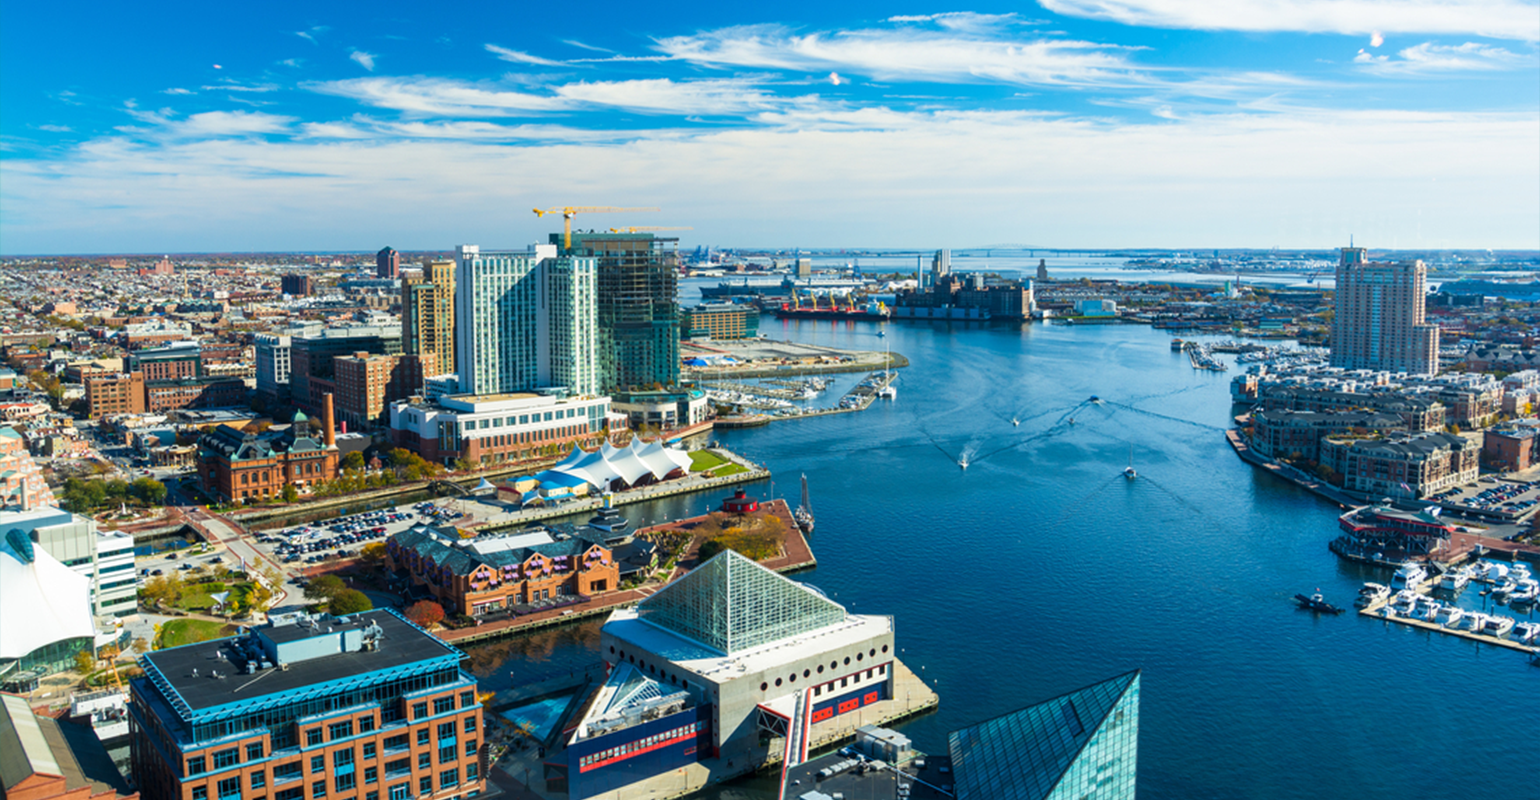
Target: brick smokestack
[{"x": 329, "y": 420}]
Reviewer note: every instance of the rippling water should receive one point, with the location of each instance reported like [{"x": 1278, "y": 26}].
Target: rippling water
[{"x": 1040, "y": 569}]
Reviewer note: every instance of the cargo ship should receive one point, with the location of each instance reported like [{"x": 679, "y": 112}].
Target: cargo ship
[
  {"x": 870, "y": 312},
  {"x": 746, "y": 287}
]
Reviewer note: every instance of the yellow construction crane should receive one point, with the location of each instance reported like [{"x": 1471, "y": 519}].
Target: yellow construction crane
[
  {"x": 566, "y": 213},
  {"x": 648, "y": 228}
]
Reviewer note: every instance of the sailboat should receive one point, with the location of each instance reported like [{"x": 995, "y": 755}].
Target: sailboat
[
  {"x": 1129, "y": 472},
  {"x": 803, "y": 516}
]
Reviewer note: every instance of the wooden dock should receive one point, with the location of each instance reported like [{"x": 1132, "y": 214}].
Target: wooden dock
[{"x": 1372, "y": 612}]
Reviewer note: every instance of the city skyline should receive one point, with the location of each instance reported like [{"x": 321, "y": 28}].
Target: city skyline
[{"x": 1136, "y": 123}]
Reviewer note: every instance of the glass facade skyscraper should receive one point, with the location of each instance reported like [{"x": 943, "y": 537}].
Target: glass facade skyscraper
[
  {"x": 1084, "y": 744},
  {"x": 637, "y": 306}
]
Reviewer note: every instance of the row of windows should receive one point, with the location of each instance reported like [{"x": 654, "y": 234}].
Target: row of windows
[
  {"x": 792, "y": 678},
  {"x": 642, "y": 743}
]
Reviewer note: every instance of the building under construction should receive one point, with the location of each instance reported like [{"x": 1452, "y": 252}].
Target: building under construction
[{"x": 638, "y": 312}]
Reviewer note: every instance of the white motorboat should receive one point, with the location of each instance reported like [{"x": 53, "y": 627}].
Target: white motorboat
[
  {"x": 1409, "y": 576},
  {"x": 1454, "y": 580},
  {"x": 1404, "y": 601},
  {"x": 1478, "y": 571},
  {"x": 1525, "y": 633},
  {"x": 1471, "y": 621},
  {"x": 1519, "y": 571},
  {"x": 1496, "y": 625},
  {"x": 1448, "y": 615},
  {"x": 1425, "y": 609},
  {"x": 1372, "y": 593}
]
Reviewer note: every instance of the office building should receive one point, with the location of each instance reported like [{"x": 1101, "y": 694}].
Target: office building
[
  {"x": 387, "y": 264},
  {"x": 428, "y": 312},
  {"x": 45, "y": 612},
  {"x": 1380, "y": 321},
  {"x": 720, "y": 321},
  {"x": 488, "y": 429},
  {"x": 42, "y": 758},
  {"x": 207, "y": 392},
  {"x": 367, "y": 384},
  {"x": 312, "y": 357},
  {"x": 524, "y": 321},
  {"x": 115, "y": 393},
  {"x": 274, "y": 362},
  {"x": 368, "y": 706},
  {"x": 637, "y": 306},
  {"x": 234, "y": 465},
  {"x": 940, "y": 266},
  {"x": 175, "y": 361},
  {"x": 1084, "y": 744},
  {"x": 297, "y": 285}
]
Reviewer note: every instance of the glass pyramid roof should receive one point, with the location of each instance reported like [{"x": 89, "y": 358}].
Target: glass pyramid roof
[
  {"x": 731, "y": 603},
  {"x": 1081, "y": 744}
]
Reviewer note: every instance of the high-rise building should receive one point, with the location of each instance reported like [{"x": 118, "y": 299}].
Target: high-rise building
[
  {"x": 312, "y": 372},
  {"x": 428, "y": 312},
  {"x": 274, "y": 354},
  {"x": 387, "y": 264},
  {"x": 637, "y": 305},
  {"x": 1380, "y": 321},
  {"x": 1081, "y": 744},
  {"x": 367, "y": 383},
  {"x": 297, "y": 285},
  {"x": 308, "y": 707},
  {"x": 524, "y": 320}
]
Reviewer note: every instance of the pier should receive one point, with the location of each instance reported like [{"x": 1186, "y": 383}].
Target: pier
[{"x": 1373, "y": 611}]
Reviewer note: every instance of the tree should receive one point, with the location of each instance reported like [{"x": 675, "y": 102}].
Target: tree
[
  {"x": 464, "y": 465},
  {"x": 289, "y": 493},
  {"x": 85, "y": 663},
  {"x": 349, "y": 601},
  {"x": 324, "y": 587},
  {"x": 373, "y": 553},
  {"x": 151, "y": 491},
  {"x": 425, "y": 613},
  {"x": 353, "y": 460},
  {"x": 139, "y": 645}
]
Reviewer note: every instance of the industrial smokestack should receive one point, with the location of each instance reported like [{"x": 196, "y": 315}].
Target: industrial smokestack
[{"x": 329, "y": 420}]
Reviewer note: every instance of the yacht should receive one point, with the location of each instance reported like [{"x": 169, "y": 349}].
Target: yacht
[
  {"x": 1519, "y": 571},
  {"x": 1471, "y": 621},
  {"x": 1525, "y": 633},
  {"x": 1449, "y": 615},
  {"x": 1526, "y": 591},
  {"x": 1425, "y": 609},
  {"x": 1478, "y": 571},
  {"x": 1404, "y": 601},
  {"x": 1497, "y": 626},
  {"x": 1502, "y": 589},
  {"x": 1409, "y": 576},
  {"x": 1454, "y": 580},
  {"x": 1372, "y": 593}
]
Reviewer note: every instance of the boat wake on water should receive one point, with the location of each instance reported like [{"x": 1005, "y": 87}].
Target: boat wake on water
[{"x": 1138, "y": 410}]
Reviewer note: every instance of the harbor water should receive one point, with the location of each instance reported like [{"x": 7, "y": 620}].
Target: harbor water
[{"x": 1040, "y": 569}]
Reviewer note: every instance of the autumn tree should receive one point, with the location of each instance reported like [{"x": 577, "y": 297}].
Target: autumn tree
[
  {"x": 323, "y": 587},
  {"x": 425, "y": 613},
  {"x": 85, "y": 663}
]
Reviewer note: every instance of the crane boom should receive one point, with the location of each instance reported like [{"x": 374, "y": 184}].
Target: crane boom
[
  {"x": 567, "y": 212},
  {"x": 643, "y": 228}
]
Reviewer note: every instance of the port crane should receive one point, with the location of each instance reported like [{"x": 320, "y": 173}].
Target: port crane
[
  {"x": 567, "y": 213},
  {"x": 649, "y": 228}
]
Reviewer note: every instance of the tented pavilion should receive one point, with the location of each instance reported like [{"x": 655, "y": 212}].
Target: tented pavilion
[
  {"x": 45, "y": 611},
  {"x": 606, "y": 469}
]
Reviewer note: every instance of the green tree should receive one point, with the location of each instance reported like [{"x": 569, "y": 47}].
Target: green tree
[
  {"x": 85, "y": 662},
  {"x": 324, "y": 587},
  {"x": 353, "y": 460},
  {"x": 289, "y": 493},
  {"x": 149, "y": 490},
  {"x": 349, "y": 601}
]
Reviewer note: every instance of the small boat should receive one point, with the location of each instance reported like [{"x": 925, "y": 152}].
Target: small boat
[
  {"x": 1128, "y": 472},
  {"x": 1525, "y": 591},
  {"x": 1015, "y": 422},
  {"x": 1525, "y": 633},
  {"x": 1471, "y": 621},
  {"x": 1448, "y": 615},
  {"x": 1404, "y": 601},
  {"x": 803, "y": 516},
  {"x": 963, "y": 461},
  {"x": 889, "y": 392},
  {"x": 1371, "y": 593},
  {"x": 1454, "y": 580},
  {"x": 1409, "y": 576},
  {"x": 1426, "y": 609},
  {"x": 1095, "y": 399},
  {"x": 882, "y": 334},
  {"x": 1072, "y": 420},
  {"x": 1316, "y": 603},
  {"x": 1497, "y": 626}
]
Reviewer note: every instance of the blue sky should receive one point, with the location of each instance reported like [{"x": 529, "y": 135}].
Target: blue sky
[{"x": 185, "y": 127}]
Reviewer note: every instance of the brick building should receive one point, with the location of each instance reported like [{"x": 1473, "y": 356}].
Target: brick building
[
  {"x": 170, "y": 363},
  {"x": 368, "y": 383},
  {"x": 115, "y": 393},
  {"x": 1510, "y": 449},
  {"x": 1285, "y": 434},
  {"x": 720, "y": 321},
  {"x": 298, "y": 285},
  {"x": 303, "y": 708},
  {"x": 212, "y": 392},
  {"x": 486, "y": 575},
  {"x": 234, "y": 465},
  {"x": 1405, "y": 466},
  {"x": 42, "y": 758}
]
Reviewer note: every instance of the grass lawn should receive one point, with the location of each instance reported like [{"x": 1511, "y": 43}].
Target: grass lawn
[
  {"x": 729, "y": 468},
  {"x": 196, "y": 597},
  {"x": 713, "y": 464},
  {"x": 178, "y": 632}
]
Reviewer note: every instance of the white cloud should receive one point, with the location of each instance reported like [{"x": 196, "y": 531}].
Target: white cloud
[
  {"x": 436, "y": 97},
  {"x": 310, "y": 35},
  {"x": 670, "y": 97},
  {"x": 236, "y": 87},
  {"x": 1498, "y": 19},
  {"x": 366, "y": 60},
  {"x": 1377, "y": 39},
  {"x": 55, "y": 128},
  {"x": 834, "y": 78},
  {"x": 177, "y": 90},
  {"x": 909, "y": 54},
  {"x": 504, "y": 54},
  {"x": 1429, "y": 57}
]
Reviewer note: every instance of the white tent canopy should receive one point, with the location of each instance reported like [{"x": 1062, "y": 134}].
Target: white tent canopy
[
  {"x": 628, "y": 465},
  {"x": 41, "y": 600}
]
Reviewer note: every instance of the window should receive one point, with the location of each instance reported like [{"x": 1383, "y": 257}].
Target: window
[
  {"x": 317, "y": 764},
  {"x": 443, "y": 705},
  {"x": 424, "y": 760},
  {"x": 297, "y": 793},
  {"x": 470, "y": 724},
  {"x": 224, "y": 759},
  {"x": 368, "y": 750},
  {"x": 341, "y": 730},
  {"x": 196, "y": 766},
  {"x": 318, "y": 789},
  {"x": 259, "y": 779},
  {"x": 371, "y": 775},
  {"x": 372, "y": 796},
  {"x": 346, "y": 782},
  {"x": 253, "y": 751},
  {"x": 400, "y": 766},
  {"x": 313, "y": 737},
  {"x": 286, "y": 772},
  {"x": 230, "y": 788},
  {"x": 342, "y": 758},
  {"x": 446, "y": 755},
  {"x": 446, "y": 730},
  {"x": 200, "y": 793},
  {"x": 423, "y": 735},
  {"x": 366, "y": 724},
  {"x": 425, "y": 784},
  {"x": 467, "y": 699},
  {"x": 401, "y": 792},
  {"x": 470, "y": 747},
  {"x": 419, "y": 710},
  {"x": 449, "y": 779},
  {"x": 470, "y": 773},
  {"x": 396, "y": 743}
]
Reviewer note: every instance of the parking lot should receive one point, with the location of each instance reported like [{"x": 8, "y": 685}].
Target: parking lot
[{"x": 1493, "y": 498}]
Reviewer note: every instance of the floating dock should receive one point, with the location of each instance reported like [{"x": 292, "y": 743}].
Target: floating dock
[{"x": 1372, "y": 611}]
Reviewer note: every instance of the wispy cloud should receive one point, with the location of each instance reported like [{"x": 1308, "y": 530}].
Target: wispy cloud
[
  {"x": 585, "y": 46},
  {"x": 437, "y": 96},
  {"x": 1429, "y": 57},
  {"x": 910, "y": 54},
  {"x": 670, "y": 97},
  {"x": 505, "y": 54},
  {"x": 366, "y": 60},
  {"x": 177, "y": 90},
  {"x": 1498, "y": 19},
  {"x": 55, "y": 128},
  {"x": 291, "y": 62},
  {"x": 237, "y": 87},
  {"x": 311, "y": 34}
]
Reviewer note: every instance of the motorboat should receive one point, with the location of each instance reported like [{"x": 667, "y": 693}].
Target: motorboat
[
  {"x": 1404, "y": 601},
  {"x": 1425, "y": 609},
  {"x": 1448, "y": 615},
  {"x": 1015, "y": 422},
  {"x": 1525, "y": 633},
  {"x": 1471, "y": 621},
  {"x": 1502, "y": 589},
  {"x": 1526, "y": 591},
  {"x": 1128, "y": 472},
  {"x": 1454, "y": 580},
  {"x": 1497, "y": 626},
  {"x": 1519, "y": 571},
  {"x": 1409, "y": 576},
  {"x": 1479, "y": 570},
  {"x": 963, "y": 461},
  {"x": 1372, "y": 593},
  {"x": 1316, "y": 603}
]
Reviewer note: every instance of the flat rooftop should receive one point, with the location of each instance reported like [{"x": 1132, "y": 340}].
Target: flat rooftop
[
  {"x": 402, "y": 644},
  {"x": 625, "y": 624},
  {"x": 879, "y": 783}
]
